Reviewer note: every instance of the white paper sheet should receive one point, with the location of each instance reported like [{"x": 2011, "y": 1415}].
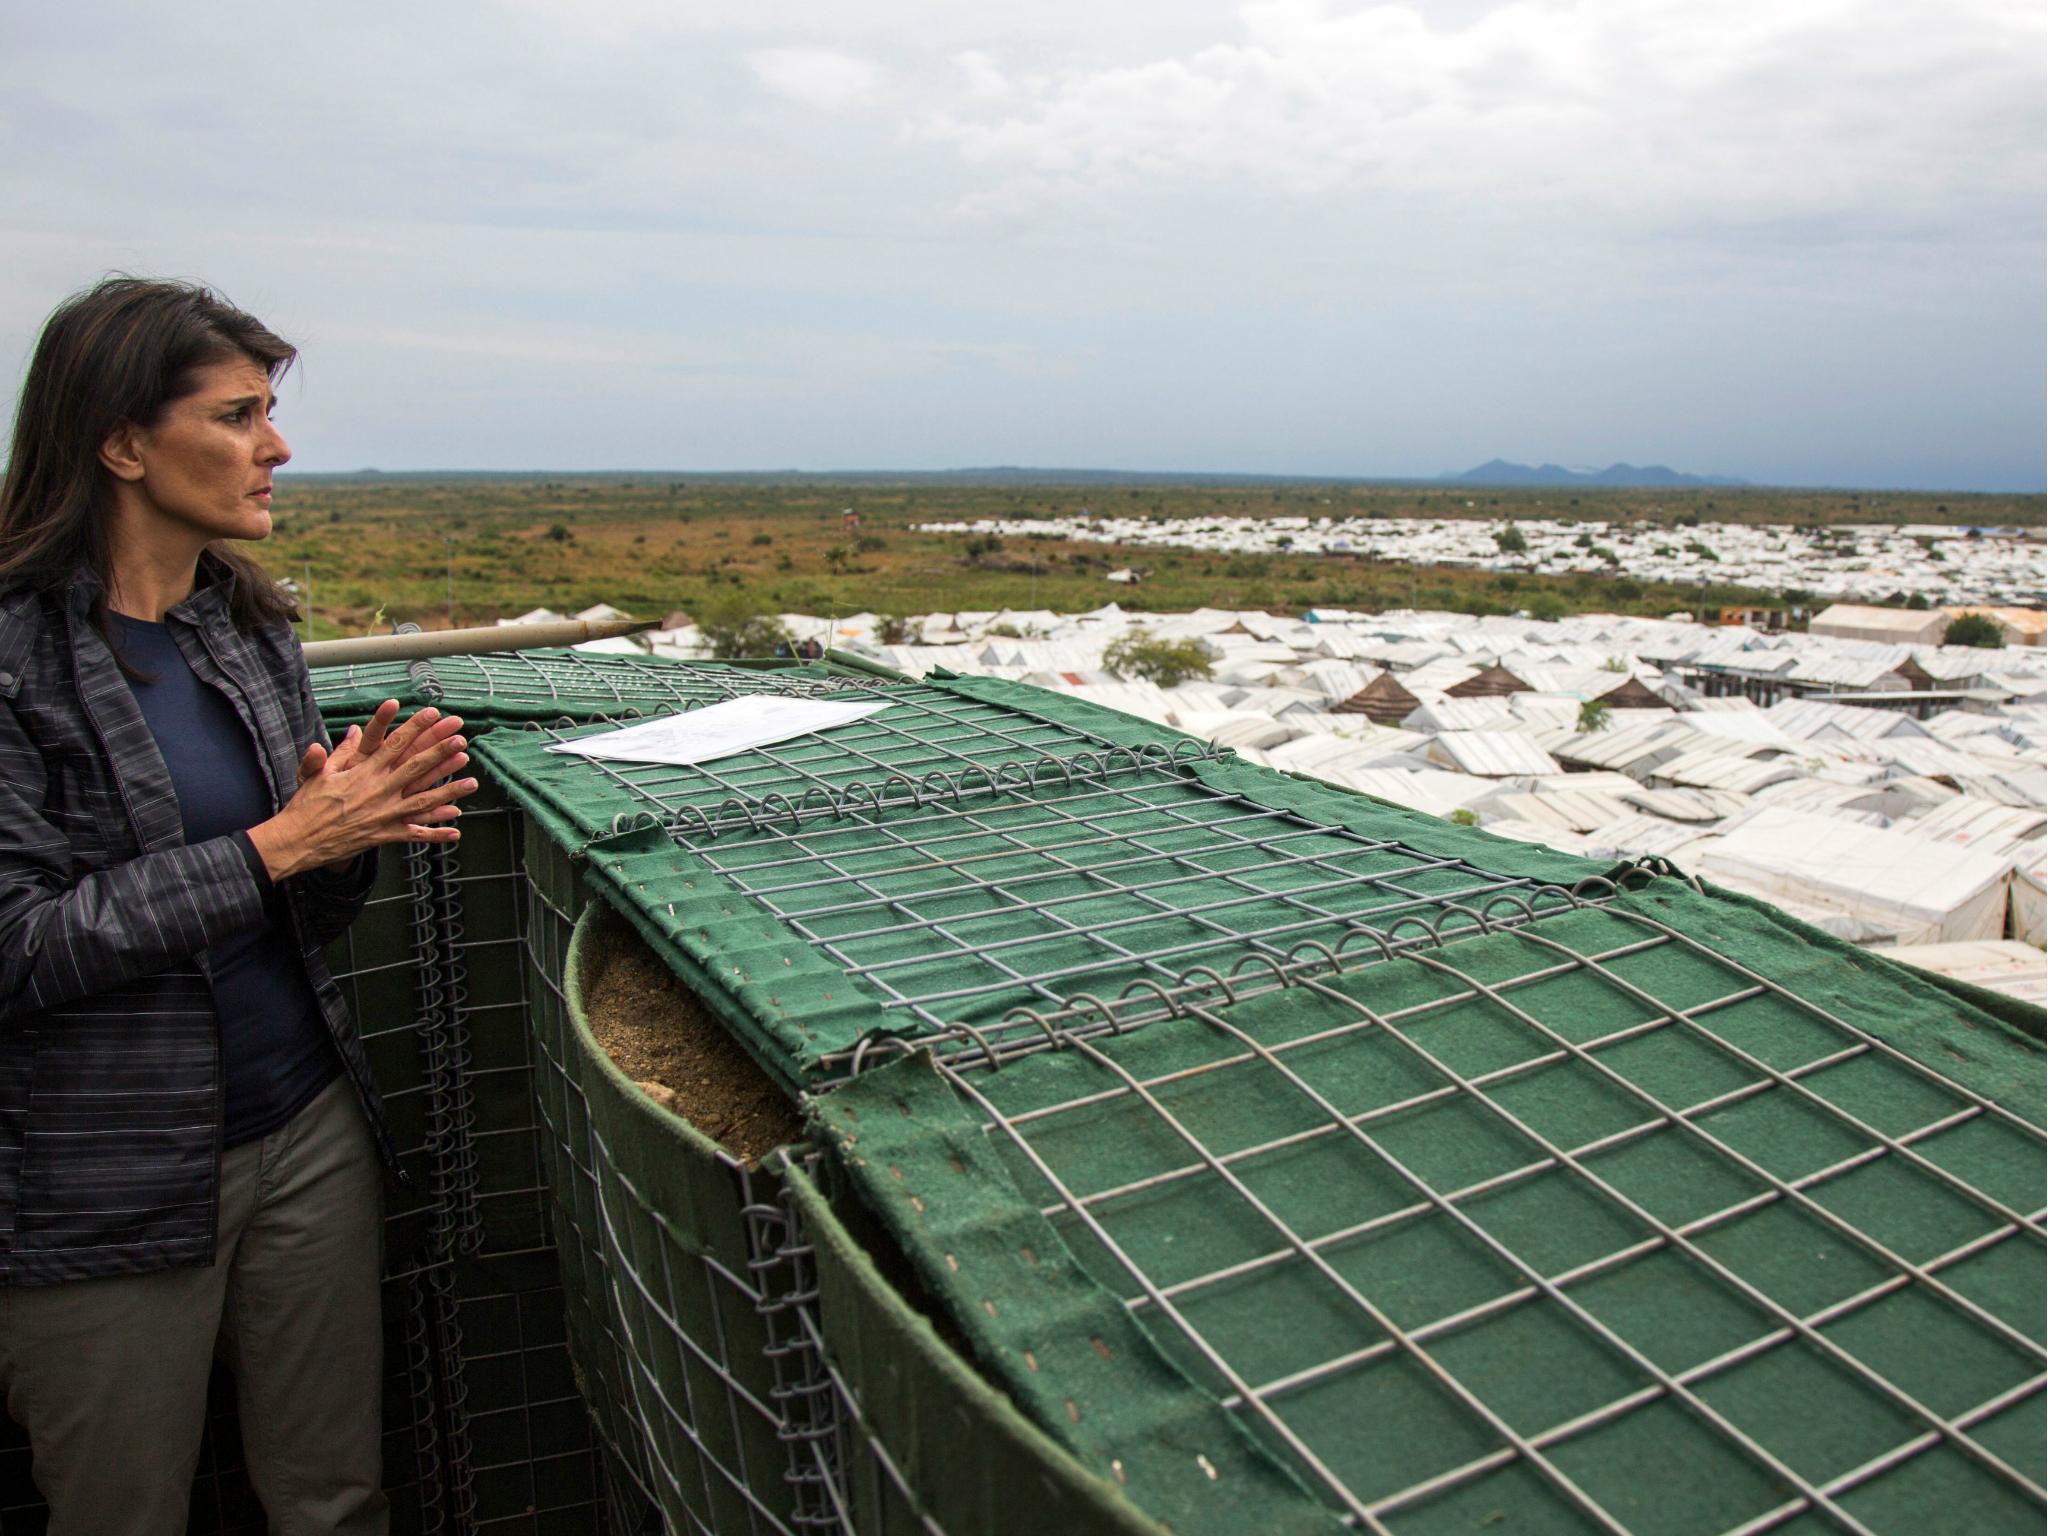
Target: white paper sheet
[{"x": 717, "y": 730}]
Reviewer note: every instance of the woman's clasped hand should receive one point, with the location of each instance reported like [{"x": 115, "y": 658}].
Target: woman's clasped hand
[{"x": 382, "y": 783}]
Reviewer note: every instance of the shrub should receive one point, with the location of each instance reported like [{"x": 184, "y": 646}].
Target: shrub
[
  {"x": 559, "y": 534},
  {"x": 1975, "y": 629},
  {"x": 1511, "y": 541},
  {"x": 1595, "y": 715},
  {"x": 1161, "y": 661},
  {"x": 739, "y": 623},
  {"x": 1546, "y": 605},
  {"x": 762, "y": 539},
  {"x": 1462, "y": 818},
  {"x": 1695, "y": 547}
]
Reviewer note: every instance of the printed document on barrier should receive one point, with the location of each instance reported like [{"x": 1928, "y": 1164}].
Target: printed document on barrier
[{"x": 717, "y": 730}]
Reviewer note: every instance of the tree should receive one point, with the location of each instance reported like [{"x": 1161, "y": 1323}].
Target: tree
[
  {"x": 1161, "y": 661},
  {"x": 739, "y": 623},
  {"x": 1976, "y": 629},
  {"x": 1594, "y": 716},
  {"x": 1511, "y": 541}
]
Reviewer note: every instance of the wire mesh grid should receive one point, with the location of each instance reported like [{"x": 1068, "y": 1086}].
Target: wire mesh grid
[
  {"x": 1584, "y": 1221},
  {"x": 952, "y": 914},
  {"x": 549, "y": 683},
  {"x": 859, "y": 1475},
  {"x": 703, "y": 1386},
  {"x": 514, "y": 1436},
  {"x": 926, "y": 746}
]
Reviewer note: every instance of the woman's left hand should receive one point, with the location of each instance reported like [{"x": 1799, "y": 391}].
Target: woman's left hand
[
  {"x": 366, "y": 740},
  {"x": 361, "y": 742}
]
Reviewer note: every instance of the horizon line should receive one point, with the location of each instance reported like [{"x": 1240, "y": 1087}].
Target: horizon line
[{"x": 1051, "y": 474}]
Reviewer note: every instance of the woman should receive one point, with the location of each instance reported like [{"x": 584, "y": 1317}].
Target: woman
[{"x": 189, "y": 1136}]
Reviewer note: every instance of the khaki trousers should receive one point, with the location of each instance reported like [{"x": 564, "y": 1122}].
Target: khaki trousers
[{"x": 108, "y": 1377}]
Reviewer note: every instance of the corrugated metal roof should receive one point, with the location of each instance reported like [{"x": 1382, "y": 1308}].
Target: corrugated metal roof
[
  {"x": 1492, "y": 754},
  {"x": 1930, "y": 891},
  {"x": 1564, "y": 809},
  {"x": 1805, "y": 719},
  {"x": 1715, "y": 767}
]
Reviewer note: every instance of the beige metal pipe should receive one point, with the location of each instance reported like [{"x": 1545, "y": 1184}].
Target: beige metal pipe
[{"x": 469, "y": 642}]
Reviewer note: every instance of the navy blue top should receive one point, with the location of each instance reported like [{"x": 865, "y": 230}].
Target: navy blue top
[{"x": 275, "y": 1052}]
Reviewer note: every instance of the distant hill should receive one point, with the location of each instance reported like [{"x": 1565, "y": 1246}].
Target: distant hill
[{"x": 1501, "y": 472}]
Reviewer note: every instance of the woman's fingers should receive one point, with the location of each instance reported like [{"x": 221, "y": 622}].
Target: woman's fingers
[
  {"x": 434, "y": 762},
  {"x": 375, "y": 728},
  {"x": 413, "y": 807},
  {"x": 312, "y": 761},
  {"x": 421, "y": 745}
]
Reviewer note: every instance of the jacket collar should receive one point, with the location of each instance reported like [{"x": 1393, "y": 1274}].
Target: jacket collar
[{"x": 213, "y": 588}]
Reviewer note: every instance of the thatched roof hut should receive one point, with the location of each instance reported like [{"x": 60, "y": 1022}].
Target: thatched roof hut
[
  {"x": 1383, "y": 701},
  {"x": 1494, "y": 683},
  {"x": 1630, "y": 693}
]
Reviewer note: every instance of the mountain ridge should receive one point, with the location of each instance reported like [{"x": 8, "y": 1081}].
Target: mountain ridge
[{"x": 1502, "y": 472}]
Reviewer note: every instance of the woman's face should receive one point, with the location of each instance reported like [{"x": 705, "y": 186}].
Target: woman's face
[{"x": 205, "y": 465}]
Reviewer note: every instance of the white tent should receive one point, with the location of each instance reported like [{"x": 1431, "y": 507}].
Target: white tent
[{"x": 1921, "y": 891}]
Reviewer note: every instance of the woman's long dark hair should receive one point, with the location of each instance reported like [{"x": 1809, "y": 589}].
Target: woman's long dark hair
[{"x": 118, "y": 354}]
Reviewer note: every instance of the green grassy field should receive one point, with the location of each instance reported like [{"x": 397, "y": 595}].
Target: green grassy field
[{"x": 380, "y": 548}]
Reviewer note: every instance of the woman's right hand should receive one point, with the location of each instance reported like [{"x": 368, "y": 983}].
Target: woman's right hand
[{"x": 386, "y": 794}]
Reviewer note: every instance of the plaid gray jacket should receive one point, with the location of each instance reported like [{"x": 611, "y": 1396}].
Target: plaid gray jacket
[{"x": 111, "y": 1086}]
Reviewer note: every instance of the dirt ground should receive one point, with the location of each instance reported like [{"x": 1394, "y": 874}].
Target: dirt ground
[{"x": 663, "y": 1038}]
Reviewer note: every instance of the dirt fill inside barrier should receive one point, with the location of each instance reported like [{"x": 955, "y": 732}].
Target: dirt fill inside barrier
[{"x": 668, "y": 1042}]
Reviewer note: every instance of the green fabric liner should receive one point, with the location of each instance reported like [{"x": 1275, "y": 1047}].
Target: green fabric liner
[
  {"x": 918, "y": 1157},
  {"x": 974, "y": 1463},
  {"x": 788, "y": 1002},
  {"x": 2014, "y": 1012},
  {"x": 1064, "y": 1348},
  {"x": 654, "y": 1163},
  {"x": 1419, "y": 830},
  {"x": 338, "y": 702},
  {"x": 792, "y": 1006}
]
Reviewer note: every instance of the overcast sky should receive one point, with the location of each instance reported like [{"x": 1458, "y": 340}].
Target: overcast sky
[{"x": 1799, "y": 241}]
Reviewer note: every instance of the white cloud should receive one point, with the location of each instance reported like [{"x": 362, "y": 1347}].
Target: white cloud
[
  {"x": 816, "y": 77},
  {"x": 1671, "y": 109}
]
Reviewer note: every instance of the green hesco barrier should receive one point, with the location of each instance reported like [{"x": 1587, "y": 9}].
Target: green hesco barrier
[
  {"x": 511, "y": 687},
  {"x": 1652, "y": 1216},
  {"x": 1282, "y": 1157},
  {"x": 923, "y": 1443},
  {"x": 747, "y": 1363},
  {"x": 670, "y": 1256},
  {"x": 955, "y": 858}
]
